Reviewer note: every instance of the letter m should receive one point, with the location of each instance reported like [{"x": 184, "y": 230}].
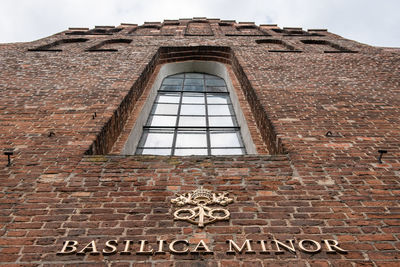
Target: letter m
[{"x": 233, "y": 247}]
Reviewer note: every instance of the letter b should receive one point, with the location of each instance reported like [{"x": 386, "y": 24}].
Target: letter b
[{"x": 69, "y": 247}]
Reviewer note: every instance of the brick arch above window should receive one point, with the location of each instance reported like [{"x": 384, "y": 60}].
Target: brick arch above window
[{"x": 114, "y": 134}]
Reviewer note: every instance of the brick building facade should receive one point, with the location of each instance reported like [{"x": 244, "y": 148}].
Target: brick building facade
[{"x": 318, "y": 186}]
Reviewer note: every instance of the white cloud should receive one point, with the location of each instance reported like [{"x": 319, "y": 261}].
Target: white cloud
[{"x": 369, "y": 21}]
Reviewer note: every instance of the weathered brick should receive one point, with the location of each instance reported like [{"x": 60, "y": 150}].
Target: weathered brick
[{"x": 317, "y": 119}]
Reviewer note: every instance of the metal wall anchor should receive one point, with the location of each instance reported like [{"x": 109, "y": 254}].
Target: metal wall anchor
[
  {"x": 9, "y": 153},
  {"x": 381, "y": 151}
]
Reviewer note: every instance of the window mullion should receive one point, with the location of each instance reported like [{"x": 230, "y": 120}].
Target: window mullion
[
  {"x": 177, "y": 120},
  {"x": 207, "y": 122}
]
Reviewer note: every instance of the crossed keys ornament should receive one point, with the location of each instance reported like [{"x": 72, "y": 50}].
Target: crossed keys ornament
[{"x": 201, "y": 214}]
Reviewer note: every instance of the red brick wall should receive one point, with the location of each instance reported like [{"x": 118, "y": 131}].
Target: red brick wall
[{"x": 324, "y": 187}]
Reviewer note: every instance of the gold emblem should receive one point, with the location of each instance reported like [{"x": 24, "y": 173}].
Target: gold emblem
[{"x": 201, "y": 214}]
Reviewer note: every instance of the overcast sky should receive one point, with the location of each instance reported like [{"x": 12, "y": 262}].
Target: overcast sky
[{"x": 374, "y": 22}]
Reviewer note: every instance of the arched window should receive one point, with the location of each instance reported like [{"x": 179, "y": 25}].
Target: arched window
[
  {"x": 192, "y": 115},
  {"x": 189, "y": 108}
]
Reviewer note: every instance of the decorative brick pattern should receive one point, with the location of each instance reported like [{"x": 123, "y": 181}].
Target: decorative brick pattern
[
  {"x": 58, "y": 45},
  {"x": 112, "y": 45},
  {"x": 199, "y": 28},
  {"x": 322, "y": 116},
  {"x": 275, "y": 45}
]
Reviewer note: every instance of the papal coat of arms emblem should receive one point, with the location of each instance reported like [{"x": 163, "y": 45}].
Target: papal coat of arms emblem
[{"x": 201, "y": 214}]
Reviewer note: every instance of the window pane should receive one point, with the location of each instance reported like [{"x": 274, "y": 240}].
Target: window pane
[
  {"x": 194, "y": 75},
  {"x": 216, "y": 89},
  {"x": 221, "y": 121},
  {"x": 169, "y": 109},
  {"x": 227, "y": 151},
  {"x": 190, "y": 151},
  {"x": 194, "y": 88},
  {"x": 171, "y": 88},
  {"x": 219, "y": 110},
  {"x": 194, "y": 82},
  {"x": 154, "y": 138},
  {"x": 192, "y": 121},
  {"x": 155, "y": 151},
  {"x": 215, "y": 82},
  {"x": 217, "y": 99},
  {"x": 178, "y": 123},
  {"x": 193, "y": 110},
  {"x": 161, "y": 121},
  {"x": 224, "y": 139},
  {"x": 191, "y": 139},
  {"x": 172, "y": 81},
  {"x": 189, "y": 98},
  {"x": 168, "y": 97}
]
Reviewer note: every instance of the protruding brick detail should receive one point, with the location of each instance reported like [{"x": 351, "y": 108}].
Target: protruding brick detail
[
  {"x": 111, "y": 45},
  {"x": 326, "y": 46},
  {"x": 59, "y": 44},
  {"x": 98, "y": 30},
  {"x": 276, "y": 45},
  {"x": 199, "y": 28},
  {"x": 212, "y": 53}
]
